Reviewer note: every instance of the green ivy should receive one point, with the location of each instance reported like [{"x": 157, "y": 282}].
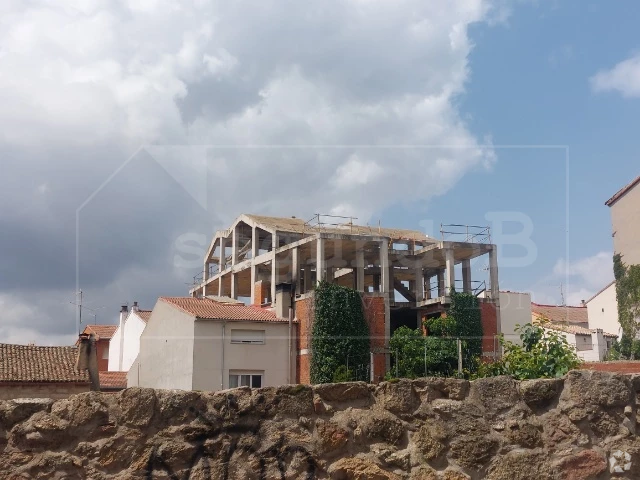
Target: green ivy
[
  {"x": 628, "y": 298},
  {"x": 465, "y": 312},
  {"x": 340, "y": 335}
]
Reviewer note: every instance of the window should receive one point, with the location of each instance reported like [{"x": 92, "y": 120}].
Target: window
[
  {"x": 105, "y": 353},
  {"x": 253, "y": 380},
  {"x": 251, "y": 337}
]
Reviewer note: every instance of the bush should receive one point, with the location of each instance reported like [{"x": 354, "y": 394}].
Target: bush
[
  {"x": 342, "y": 374},
  {"x": 543, "y": 354}
]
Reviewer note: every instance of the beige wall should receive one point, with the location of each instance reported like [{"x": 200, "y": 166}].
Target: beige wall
[
  {"x": 48, "y": 390},
  {"x": 603, "y": 311},
  {"x": 270, "y": 358},
  {"x": 625, "y": 220},
  {"x": 515, "y": 309},
  {"x": 166, "y": 351}
]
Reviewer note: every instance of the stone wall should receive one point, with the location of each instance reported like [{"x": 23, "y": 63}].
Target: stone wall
[
  {"x": 580, "y": 427},
  {"x": 41, "y": 390}
]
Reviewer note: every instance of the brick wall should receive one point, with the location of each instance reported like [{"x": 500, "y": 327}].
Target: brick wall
[
  {"x": 103, "y": 363},
  {"x": 622, "y": 366},
  {"x": 489, "y": 317},
  {"x": 374, "y": 312},
  {"x": 41, "y": 390},
  {"x": 260, "y": 292}
]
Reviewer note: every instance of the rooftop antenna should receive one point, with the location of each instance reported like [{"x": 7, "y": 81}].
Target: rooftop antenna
[
  {"x": 562, "y": 302},
  {"x": 81, "y": 307}
]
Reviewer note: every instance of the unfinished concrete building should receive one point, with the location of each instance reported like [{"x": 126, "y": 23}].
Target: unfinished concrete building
[{"x": 404, "y": 275}]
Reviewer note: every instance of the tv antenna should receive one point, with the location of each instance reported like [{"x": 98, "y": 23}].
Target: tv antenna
[{"x": 81, "y": 307}]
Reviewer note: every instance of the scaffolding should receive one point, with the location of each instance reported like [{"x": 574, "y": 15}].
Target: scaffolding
[{"x": 465, "y": 233}]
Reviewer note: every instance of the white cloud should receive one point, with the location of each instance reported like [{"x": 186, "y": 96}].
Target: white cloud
[
  {"x": 337, "y": 83},
  {"x": 623, "y": 78},
  {"x": 578, "y": 280}
]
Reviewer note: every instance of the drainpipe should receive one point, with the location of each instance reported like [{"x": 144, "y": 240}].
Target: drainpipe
[{"x": 224, "y": 324}]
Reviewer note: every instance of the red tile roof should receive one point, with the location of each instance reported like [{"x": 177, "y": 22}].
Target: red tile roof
[
  {"x": 562, "y": 314},
  {"x": 113, "y": 380},
  {"x": 622, "y": 191},
  {"x": 145, "y": 315},
  {"x": 211, "y": 310},
  {"x": 30, "y": 363},
  {"x": 574, "y": 329},
  {"x": 103, "y": 332}
]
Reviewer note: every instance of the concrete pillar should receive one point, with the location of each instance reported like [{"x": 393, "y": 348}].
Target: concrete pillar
[
  {"x": 255, "y": 247},
  {"x": 220, "y": 286},
  {"x": 384, "y": 267},
  {"x": 234, "y": 286},
  {"x": 274, "y": 277},
  {"x": 253, "y": 282},
  {"x": 466, "y": 276},
  {"x": 450, "y": 276},
  {"x": 295, "y": 270},
  {"x": 427, "y": 287},
  {"x": 234, "y": 246},
  {"x": 321, "y": 264},
  {"x": 493, "y": 272},
  {"x": 223, "y": 254},
  {"x": 418, "y": 285},
  {"x": 441, "y": 290},
  {"x": 359, "y": 273}
]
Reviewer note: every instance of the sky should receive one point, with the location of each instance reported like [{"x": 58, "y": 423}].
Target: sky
[{"x": 131, "y": 130}]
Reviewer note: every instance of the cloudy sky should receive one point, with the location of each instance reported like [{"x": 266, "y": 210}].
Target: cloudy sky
[{"x": 131, "y": 130}]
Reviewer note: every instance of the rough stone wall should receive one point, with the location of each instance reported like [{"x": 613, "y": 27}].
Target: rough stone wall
[
  {"x": 41, "y": 390},
  {"x": 580, "y": 427}
]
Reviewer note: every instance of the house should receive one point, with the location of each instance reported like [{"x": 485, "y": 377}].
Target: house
[
  {"x": 625, "y": 222},
  {"x": 29, "y": 371},
  {"x": 573, "y": 323},
  {"x": 515, "y": 309},
  {"x": 125, "y": 342},
  {"x": 603, "y": 310},
  {"x": 201, "y": 344},
  {"x": 404, "y": 276},
  {"x": 103, "y": 334}
]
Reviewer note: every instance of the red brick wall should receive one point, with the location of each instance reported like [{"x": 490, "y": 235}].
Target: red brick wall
[
  {"x": 489, "y": 316},
  {"x": 628, "y": 366},
  {"x": 260, "y": 292},
  {"x": 103, "y": 363},
  {"x": 374, "y": 311}
]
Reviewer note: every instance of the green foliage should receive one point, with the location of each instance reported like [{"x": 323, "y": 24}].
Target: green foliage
[
  {"x": 342, "y": 374},
  {"x": 340, "y": 335},
  {"x": 465, "y": 311},
  {"x": 549, "y": 357},
  {"x": 628, "y": 297}
]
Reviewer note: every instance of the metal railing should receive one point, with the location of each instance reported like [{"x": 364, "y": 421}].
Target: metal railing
[{"x": 465, "y": 233}]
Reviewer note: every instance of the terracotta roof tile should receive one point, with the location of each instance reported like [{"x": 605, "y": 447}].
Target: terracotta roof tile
[
  {"x": 574, "y": 329},
  {"x": 113, "y": 380},
  {"x": 145, "y": 315},
  {"x": 104, "y": 332},
  {"x": 209, "y": 309},
  {"x": 622, "y": 191},
  {"x": 563, "y": 314},
  {"x": 30, "y": 363}
]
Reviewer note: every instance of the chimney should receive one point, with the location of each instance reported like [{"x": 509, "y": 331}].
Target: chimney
[
  {"x": 135, "y": 307},
  {"x": 583, "y": 303},
  {"x": 88, "y": 359},
  {"x": 124, "y": 312},
  {"x": 283, "y": 300}
]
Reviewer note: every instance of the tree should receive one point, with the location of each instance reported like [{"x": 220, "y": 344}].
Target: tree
[
  {"x": 543, "y": 354},
  {"x": 340, "y": 335}
]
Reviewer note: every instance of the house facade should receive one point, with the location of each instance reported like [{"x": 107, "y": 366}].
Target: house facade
[
  {"x": 29, "y": 371},
  {"x": 625, "y": 222},
  {"x": 572, "y": 322},
  {"x": 125, "y": 342},
  {"x": 603, "y": 310},
  {"x": 200, "y": 344}
]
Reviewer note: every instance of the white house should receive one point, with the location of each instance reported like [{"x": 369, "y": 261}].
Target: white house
[
  {"x": 125, "y": 342},
  {"x": 201, "y": 344},
  {"x": 603, "y": 310}
]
